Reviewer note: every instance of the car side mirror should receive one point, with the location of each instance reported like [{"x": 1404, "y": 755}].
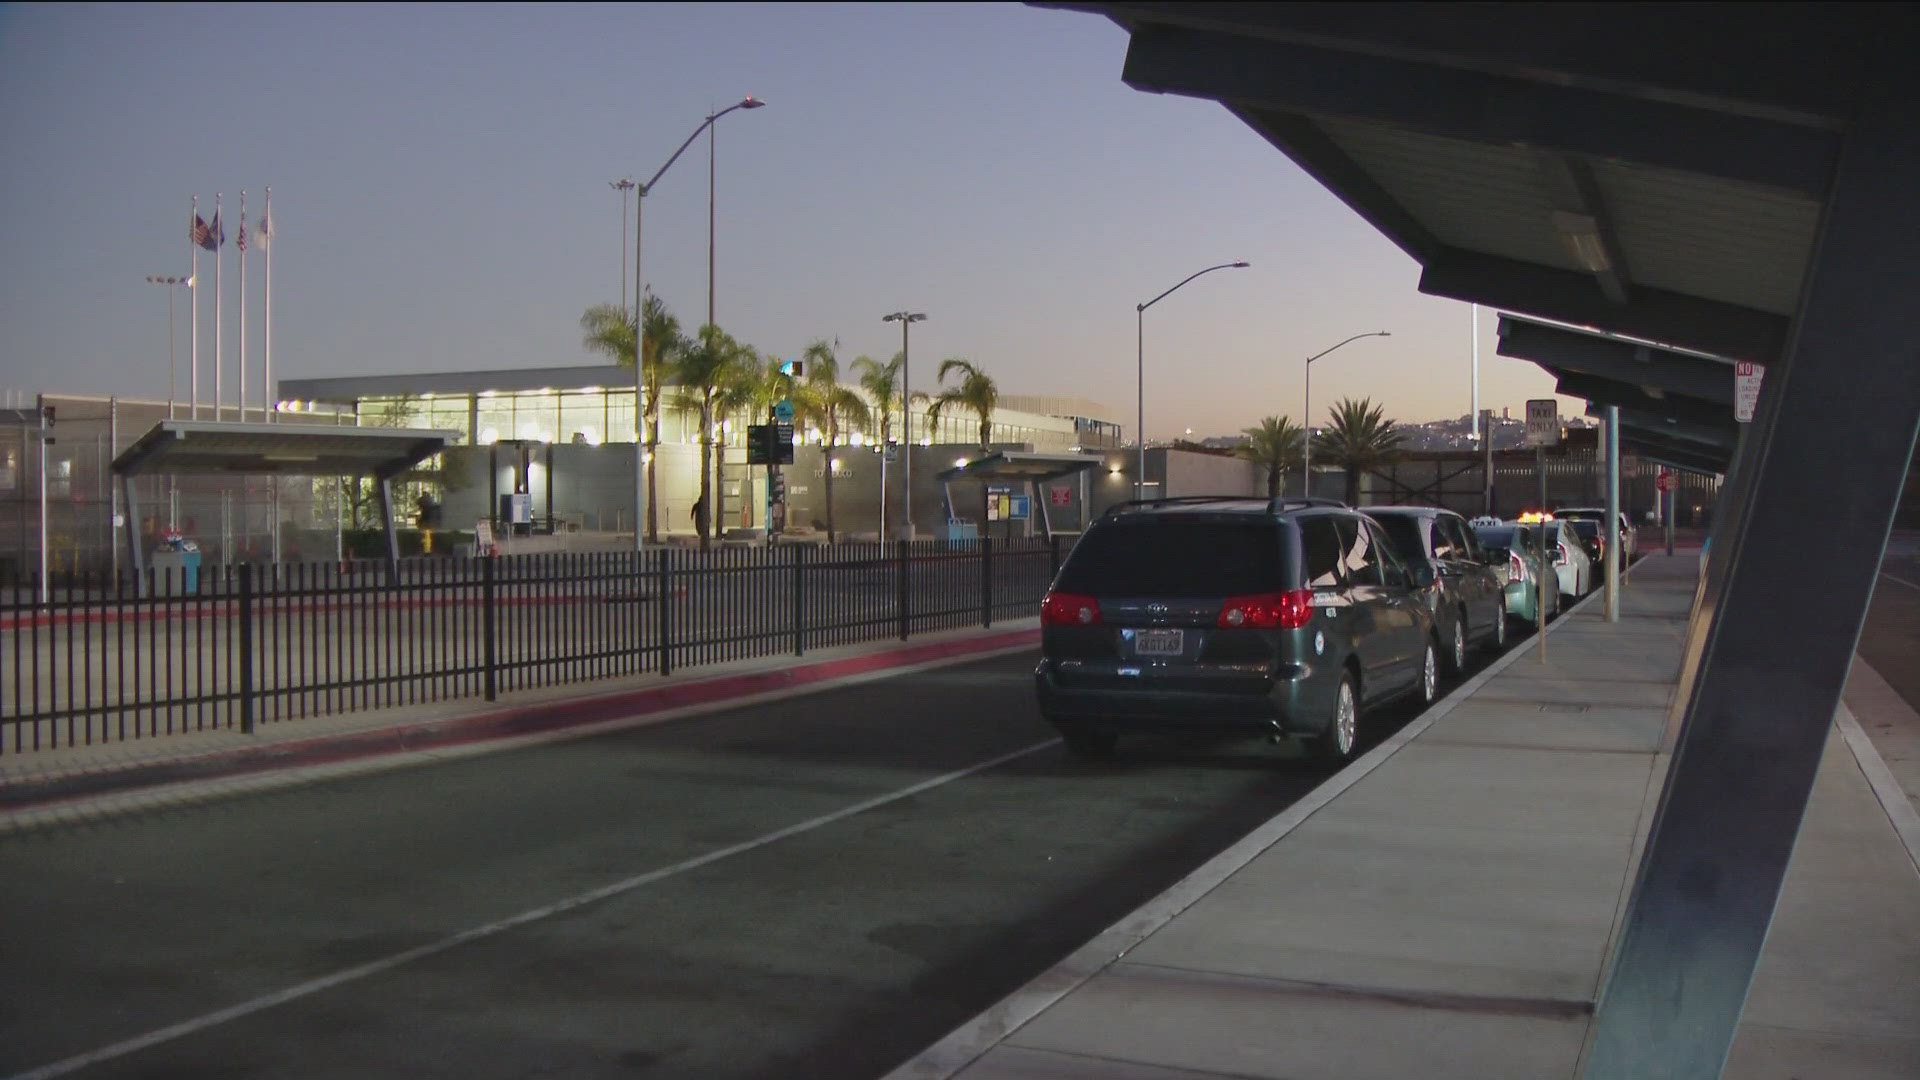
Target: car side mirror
[{"x": 1422, "y": 576}]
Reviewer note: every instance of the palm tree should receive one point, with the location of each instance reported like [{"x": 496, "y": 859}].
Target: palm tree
[
  {"x": 882, "y": 385},
  {"x": 975, "y": 390},
  {"x": 703, "y": 371},
  {"x": 745, "y": 387},
  {"x": 1359, "y": 437},
  {"x": 752, "y": 386},
  {"x": 1273, "y": 445},
  {"x": 822, "y": 400},
  {"x": 609, "y": 332}
]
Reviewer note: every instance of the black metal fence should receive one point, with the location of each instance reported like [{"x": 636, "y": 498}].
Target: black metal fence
[{"x": 101, "y": 660}]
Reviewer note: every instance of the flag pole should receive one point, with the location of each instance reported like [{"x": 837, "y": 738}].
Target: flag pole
[
  {"x": 266, "y": 330},
  {"x": 219, "y": 354},
  {"x": 243, "y": 305},
  {"x": 193, "y": 297}
]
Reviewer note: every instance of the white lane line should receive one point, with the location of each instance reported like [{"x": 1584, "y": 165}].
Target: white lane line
[
  {"x": 1900, "y": 580},
  {"x": 593, "y": 896},
  {"x": 960, "y": 1047}
]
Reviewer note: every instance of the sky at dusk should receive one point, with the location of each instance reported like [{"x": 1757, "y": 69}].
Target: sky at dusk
[{"x": 441, "y": 202}]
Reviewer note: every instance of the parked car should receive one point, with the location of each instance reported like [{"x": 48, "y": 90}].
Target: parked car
[
  {"x": 1592, "y": 539},
  {"x": 1516, "y": 546},
  {"x": 1629, "y": 536},
  {"x": 1570, "y": 562},
  {"x": 1467, "y": 599},
  {"x": 1276, "y": 618}
]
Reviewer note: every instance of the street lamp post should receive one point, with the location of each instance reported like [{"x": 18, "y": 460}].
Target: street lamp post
[
  {"x": 623, "y": 187},
  {"x": 1306, "y": 407},
  {"x": 641, "y": 191},
  {"x": 169, "y": 282},
  {"x": 1140, "y": 371},
  {"x": 905, "y": 319}
]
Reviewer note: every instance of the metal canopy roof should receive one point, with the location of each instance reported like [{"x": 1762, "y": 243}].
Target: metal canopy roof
[
  {"x": 1675, "y": 406},
  {"x": 207, "y": 446},
  {"x": 1577, "y": 162},
  {"x": 1023, "y": 466}
]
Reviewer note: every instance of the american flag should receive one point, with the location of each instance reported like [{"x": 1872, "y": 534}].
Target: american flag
[
  {"x": 199, "y": 234},
  {"x": 241, "y": 243}
]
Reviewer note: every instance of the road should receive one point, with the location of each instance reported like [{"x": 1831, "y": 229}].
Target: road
[{"x": 828, "y": 934}]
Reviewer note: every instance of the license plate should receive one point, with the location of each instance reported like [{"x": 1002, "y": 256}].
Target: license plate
[{"x": 1160, "y": 642}]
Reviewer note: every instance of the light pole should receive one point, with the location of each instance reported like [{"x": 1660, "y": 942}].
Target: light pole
[
  {"x": 169, "y": 282},
  {"x": 1306, "y": 407},
  {"x": 641, "y": 191},
  {"x": 905, "y": 319},
  {"x": 1140, "y": 372},
  {"x": 623, "y": 187}
]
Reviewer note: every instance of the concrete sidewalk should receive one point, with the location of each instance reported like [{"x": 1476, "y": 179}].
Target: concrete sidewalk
[
  {"x": 1446, "y": 906},
  {"x": 88, "y": 782}
]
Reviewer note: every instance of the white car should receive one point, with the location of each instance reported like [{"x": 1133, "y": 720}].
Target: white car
[
  {"x": 1571, "y": 562},
  {"x": 1629, "y": 536}
]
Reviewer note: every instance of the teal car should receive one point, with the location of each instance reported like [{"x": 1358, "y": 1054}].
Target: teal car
[{"x": 1514, "y": 552}]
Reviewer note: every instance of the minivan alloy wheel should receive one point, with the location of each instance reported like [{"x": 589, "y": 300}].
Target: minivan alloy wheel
[
  {"x": 1429, "y": 675},
  {"x": 1343, "y": 729}
]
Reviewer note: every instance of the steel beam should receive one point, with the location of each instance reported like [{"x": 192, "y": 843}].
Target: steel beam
[
  {"x": 1672, "y": 407},
  {"x": 1797, "y": 66},
  {"x": 1481, "y": 107},
  {"x": 1773, "y": 642},
  {"x": 1319, "y": 157},
  {"x": 1691, "y": 458},
  {"x": 1688, "y": 322},
  {"x": 1563, "y": 349}
]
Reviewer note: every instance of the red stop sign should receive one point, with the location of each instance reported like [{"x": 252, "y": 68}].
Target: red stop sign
[{"x": 1665, "y": 482}]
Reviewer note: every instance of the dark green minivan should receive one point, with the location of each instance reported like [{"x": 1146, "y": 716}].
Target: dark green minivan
[{"x": 1275, "y": 618}]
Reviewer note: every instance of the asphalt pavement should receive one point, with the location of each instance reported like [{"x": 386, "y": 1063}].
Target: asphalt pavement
[{"x": 819, "y": 886}]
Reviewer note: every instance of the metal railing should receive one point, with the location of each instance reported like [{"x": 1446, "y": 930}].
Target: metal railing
[{"x": 249, "y": 644}]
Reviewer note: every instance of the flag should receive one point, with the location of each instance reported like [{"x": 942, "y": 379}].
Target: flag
[
  {"x": 242, "y": 242},
  {"x": 216, "y": 235},
  {"x": 200, "y": 234},
  {"x": 263, "y": 230}
]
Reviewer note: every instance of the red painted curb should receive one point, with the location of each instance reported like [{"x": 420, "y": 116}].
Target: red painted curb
[{"x": 492, "y": 726}]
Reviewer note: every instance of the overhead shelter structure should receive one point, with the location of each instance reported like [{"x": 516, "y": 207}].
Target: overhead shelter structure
[
  {"x": 1023, "y": 467},
  {"x": 215, "y": 448},
  {"x": 1676, "y": 406},
  {"x": 1731, "y": 180}
]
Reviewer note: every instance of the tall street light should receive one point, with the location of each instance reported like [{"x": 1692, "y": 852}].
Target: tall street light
[
  {"x": 169, "y": 282},
  {"x": 712, "y": 136},
  {"x": 1140, "y": 362},
  {"x": 623, "y": 187},
  {"x": 1306, "y": 406},
  {"x": 905, "y": 319},
  {"x": 641, "y": 191}
]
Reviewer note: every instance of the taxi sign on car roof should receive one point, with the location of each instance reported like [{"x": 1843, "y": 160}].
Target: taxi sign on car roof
[{"x": 1534, "y": 517}]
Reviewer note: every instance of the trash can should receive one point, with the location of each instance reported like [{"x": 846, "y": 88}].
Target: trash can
[{"x": 176, "y": 566}]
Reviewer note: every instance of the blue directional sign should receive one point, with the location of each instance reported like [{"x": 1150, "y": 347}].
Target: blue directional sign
[{"x": 783, "y": 411}]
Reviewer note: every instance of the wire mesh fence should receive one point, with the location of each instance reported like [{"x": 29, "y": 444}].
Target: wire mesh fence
[{"x": 107, "y": 657}]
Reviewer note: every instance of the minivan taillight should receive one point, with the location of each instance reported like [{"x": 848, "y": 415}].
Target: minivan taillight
[
  {"x": 1066, "y": 609},
  {"x": 1267, "y": 611},
  {"x": 1516, "y": 568}
]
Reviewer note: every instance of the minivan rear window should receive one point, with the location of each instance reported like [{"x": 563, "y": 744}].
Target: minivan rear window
[{"x": 1174, "y": 558}]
